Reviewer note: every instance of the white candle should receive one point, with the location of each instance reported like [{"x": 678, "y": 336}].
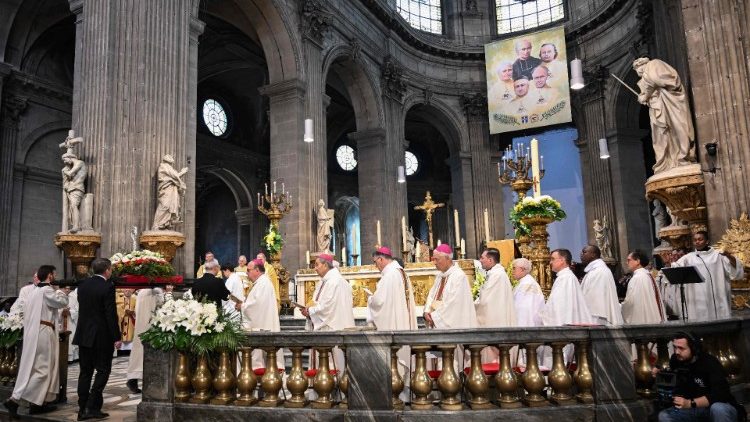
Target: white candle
[
  {"x": 455, "y": 223},
  {"x": 535, "y": 168},
  {"x": 307, "y": 257},
  {"x": 258, "y": 198},
  {"x": 378, "y": 231},
  {"x": 403, "y": 233},
  {"x": 463, "y": 247},
  {"x": 486, "y": 227},
  {"x": 416, "y": 253},
  {"x": 439, "y": 242},
  {"x": 354, "y": 239},
  {"x": 282, "y": 187},
  {"x": 343, "y": 257},
  {"x": 274, "y": 186},
  {"x": 541, "y": 160},
  {"x": 266, "y": 188}
]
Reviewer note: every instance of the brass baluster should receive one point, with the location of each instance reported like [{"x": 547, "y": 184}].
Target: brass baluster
[
  {"x": 4, "y": 365},
  {"x": 246, "y": 380},
  {"x": 224, "y": 381},
  {"x": 506, "y": 380},
  {"x": 735, "y": 366},
  {"x": 533, "y": 380},
  {"x": 201, "y": 381},
  {"x": 643, "y": 377},
  {"x": 662, "y": 353},
  {"x": 344, "y": 384},
  {"x": 583, "y": 378},
  {"x": 477, "y": 382},
  {"x": 13, "y": 364},
  {"x": 559, "y": 378},
  {"x": 297, "y": 383},
  {"x": 397, "y": 382},
  {"x": 323, "y": 383},
  {"x": 271, "y": 382},
  {"x": 421, "y": 383},
  {"x": 182, "y": 382},
  {"x": 448, "y": 382}
]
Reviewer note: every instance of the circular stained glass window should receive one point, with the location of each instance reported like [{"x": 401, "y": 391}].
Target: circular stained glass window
[
  {"x": 345, "y": 158},
  {"x": 412, "y": 164},
  {"x": 215, "y": 117}
]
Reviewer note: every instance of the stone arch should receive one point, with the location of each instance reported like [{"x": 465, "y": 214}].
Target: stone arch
[
  {"x": 623, "y": 108},
  {"x": 446, "y": 120},
  {"x": 32, "y": 19},
  {"x": 35, "y": 135},
  {"x": 360, "y": 84},
  {"x": 241, "y": 192},
  {"x": 275, "y": 30}
]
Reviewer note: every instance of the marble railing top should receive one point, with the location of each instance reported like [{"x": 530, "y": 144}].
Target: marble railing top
[{"x": 493, "y": 335}]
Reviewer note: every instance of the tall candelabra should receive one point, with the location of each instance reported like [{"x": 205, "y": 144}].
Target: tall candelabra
[
  {"x": 516, "y": 164},
  {"x": 275, "y": 206}
]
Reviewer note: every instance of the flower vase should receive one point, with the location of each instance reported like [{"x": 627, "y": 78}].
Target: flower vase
[{"x": 182, "y": 378}]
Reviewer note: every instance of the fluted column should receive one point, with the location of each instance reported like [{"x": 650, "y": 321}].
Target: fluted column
[
  {"x": 134, "y": 101},
  {"x": 11, "y": 109}
]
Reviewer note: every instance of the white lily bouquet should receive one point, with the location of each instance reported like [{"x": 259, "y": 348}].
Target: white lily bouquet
[
  {"x": 480, "y": 276},
  {"x": 11, "y": 330},
  {"x": 187, "y": 325}
]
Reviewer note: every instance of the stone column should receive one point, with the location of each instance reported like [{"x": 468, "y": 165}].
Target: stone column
[
  {"x": 290, "y": 164},
  {"x": 134, "y": 101},
  {"x": 11, "y": 109},
  {"x": 717, "y": 41}
]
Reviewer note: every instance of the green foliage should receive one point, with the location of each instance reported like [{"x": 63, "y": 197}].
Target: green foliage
[
  {"x": 529, "y": 207},
  {"x": 272, "y": 241}
]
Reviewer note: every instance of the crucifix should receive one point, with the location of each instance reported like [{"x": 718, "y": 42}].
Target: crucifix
[{"x": 428, "y": 207}]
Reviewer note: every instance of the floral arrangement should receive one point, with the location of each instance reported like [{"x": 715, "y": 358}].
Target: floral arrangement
[
  {"x": 272, "y": 241},
  {"x": 11, "y": 330},
  {"x": 480, "y": 276},
  {"x": 544, "y": 206},
  {"x": 143, "y": 263},
  {"x": 193, "y": 326}
]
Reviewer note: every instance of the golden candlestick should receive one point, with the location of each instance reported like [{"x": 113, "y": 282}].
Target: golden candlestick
[
  {"x": 275, "y": 206},
  {"x": 515, "y": 172}
]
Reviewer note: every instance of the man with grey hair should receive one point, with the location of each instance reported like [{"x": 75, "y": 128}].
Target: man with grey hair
[
  {"x": 528, "y": 298},
  {"x": 210, "y": 287}
]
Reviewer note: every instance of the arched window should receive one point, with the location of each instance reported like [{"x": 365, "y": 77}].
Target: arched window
[
  {"x": 425, "y": 15},
  {"x": 412, "y": 163},
  {"x": 518, "y": 15},
  {"x": 215, "y": 117},
  {"x": 345, "y": 157}
]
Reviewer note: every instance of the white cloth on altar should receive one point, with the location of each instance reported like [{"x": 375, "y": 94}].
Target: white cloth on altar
[
  {"x": 23, "y": 295},
  {"x": 711, "y": 299},
  {"x": 528, "y": 300},
  {"x": 236, "y": 287},
  {"x": 565, "y": 305},
  {"x": 641, "y": 304},
  {"x": 494, "y": 307},
  {"x": 600, "y": 292},
  {"x": 147, "y": 300},
  {"x": 259, "y": 312},
  {"x": 332, "y": 309},
  {"x": 38, "y": 373}
]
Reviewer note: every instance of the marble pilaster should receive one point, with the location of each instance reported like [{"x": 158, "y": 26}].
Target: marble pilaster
[{"x": 134, "y": 101}]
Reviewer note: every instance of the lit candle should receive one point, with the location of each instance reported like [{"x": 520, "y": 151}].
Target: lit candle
[
  {"x": 282, "y": 187},
  {"x": 463, "y": 247},
  {"x": 307, "y": 257},
  {"x": 535, "y": 168},
  {"x": 439, "y": 242},
  {"x": 378, "y": 232},
  {"x": 455, "y": 223},
  {"x": 343, "y": 257},
  {"x": 354, "y": 239},
  {"x": 541, "y": 164},
  {"x": 266, "y": 188},
  {"x": 274, "y": 186},
  {"x": 258, "y": 198},
  {"x": 486, "y": 227},
  {"x": 403, "y": 233}
]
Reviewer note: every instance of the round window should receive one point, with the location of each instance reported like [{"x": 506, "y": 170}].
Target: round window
[
  {"x": 412, "y": 164},
  {"x": 345, "y": 158},
  {"x": 215, "y": 117}
]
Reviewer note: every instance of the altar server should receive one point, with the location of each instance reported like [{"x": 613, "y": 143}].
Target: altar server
[
  {"x": 599, "y": 288},
  {"x": 643, "y": 303},
  {"x": 331, "y": 309},
  {"x": 37, "y": 379},
  {"x": 494, "y": 306},
  {"x": 712, "y": 299}
]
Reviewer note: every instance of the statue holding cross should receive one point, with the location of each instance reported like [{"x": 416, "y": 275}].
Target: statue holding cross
[{"x": 428, "y": 207}]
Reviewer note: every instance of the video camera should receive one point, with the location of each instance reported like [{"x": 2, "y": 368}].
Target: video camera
[{"x": 667, "y": 384}]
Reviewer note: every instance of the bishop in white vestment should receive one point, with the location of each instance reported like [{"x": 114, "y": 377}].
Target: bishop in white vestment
[
  {"x": 259, "y": 310},
  {"x": 599, "y": 288},
  {"x": 711, "y": 299},
  {"x": 643, "y": 303},
  {"x": 494, "y": 306},
  {"x": 147, "y": 300},
  {"x": 528, "y": 299}
]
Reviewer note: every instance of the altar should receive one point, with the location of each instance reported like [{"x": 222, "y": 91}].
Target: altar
[{"x": 421, "y": 274}]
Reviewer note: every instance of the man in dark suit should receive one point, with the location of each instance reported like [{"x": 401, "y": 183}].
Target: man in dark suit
[
  {"x": 97, "y": 335},
  {"x": 210, "y": 287}
]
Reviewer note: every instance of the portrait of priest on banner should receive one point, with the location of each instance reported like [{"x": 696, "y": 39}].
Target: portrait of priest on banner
[{"x": 527, "y": 81}]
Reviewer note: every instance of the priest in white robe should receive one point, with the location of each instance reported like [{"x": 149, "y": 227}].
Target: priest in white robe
[
  {"x": 494, "y": 306},
  {"x": 37, "y": 381},
  {"x": 331, "y": 309},
  {"x": 236, "y": 286},
  {"x": 566, "y": 304},
  {"x": 72, "y": 324},
  {"x": 528, "y": 300},
  {"x": 450, "y": 304},
  {"x": 259, "y": 310},
  {"x": 643, "y": 303},
  {"x": 711, "y": 299},
  {"x": 599, "y": 288},
  {"x": 147, "y": 300}
]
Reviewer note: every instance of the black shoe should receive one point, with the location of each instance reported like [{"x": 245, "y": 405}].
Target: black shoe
[
  {"x": 45, "y": 408},
  {"x": 133, "y": 385},
  {"x": 84, "y": 416},
  {"x": 12, "y": 407}
]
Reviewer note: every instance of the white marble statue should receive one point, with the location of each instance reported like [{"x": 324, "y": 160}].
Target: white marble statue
[
  {"x": 671, "y": 122},
  {"x": 74, "y": 177},
  {"x": 170, "y": 191},
  {"x": 69, "y": 144},
  {"x": 134, "y": 237},
  {"x": 601, "y": 233},
  {"x": 411, "y": 244},
  {"x": 325, "y": 224}
]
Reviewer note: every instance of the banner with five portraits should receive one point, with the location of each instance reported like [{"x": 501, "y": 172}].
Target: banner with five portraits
[{"x": 527, "y": 81}]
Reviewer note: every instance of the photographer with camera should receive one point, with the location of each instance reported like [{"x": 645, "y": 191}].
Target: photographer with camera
[{"x": 701, "y": 390}]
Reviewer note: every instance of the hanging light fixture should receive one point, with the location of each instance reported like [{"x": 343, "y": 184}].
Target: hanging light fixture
[
  {"x": 603, "y": 149},
  {"x": 576, "y": 74},
  {"x": 309, "y": 130},
  {"x": 401, "y": 174}
]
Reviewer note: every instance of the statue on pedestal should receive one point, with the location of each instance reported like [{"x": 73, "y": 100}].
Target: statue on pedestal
[
  {"x": 411, "y": 244},
  {"x": 74, "y": 176},
  {"x": 671, "y": 122},
  {"x": 325, "y": 224},
  {"x": 601, "y": 233},
  {"x": 170, "y": 191}
]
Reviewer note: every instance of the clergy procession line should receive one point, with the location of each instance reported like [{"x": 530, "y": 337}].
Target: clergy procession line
[{"x": 101, "y": 323}]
